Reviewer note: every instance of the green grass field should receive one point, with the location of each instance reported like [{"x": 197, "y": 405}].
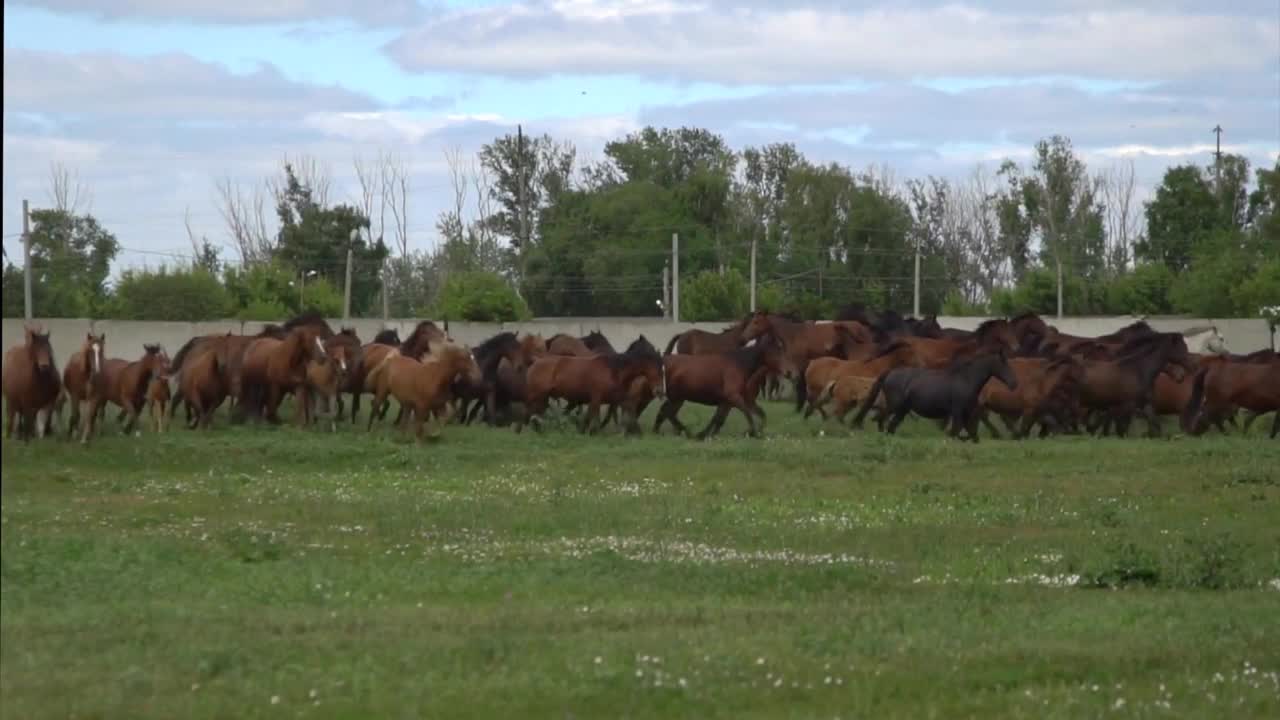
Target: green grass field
[{"x": 263, "y": 572}]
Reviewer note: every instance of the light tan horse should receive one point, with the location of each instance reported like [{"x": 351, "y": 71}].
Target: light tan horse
[{"x": 424, "y": 388}]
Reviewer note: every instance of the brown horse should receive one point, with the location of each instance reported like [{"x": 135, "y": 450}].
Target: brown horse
[
  {"x": 424, "y": 335},
  {"x": 203, "y": 386},
  {"x": 724, "y": 380},
  {"x": 327, "y": 376},
  {"x": 701, "y": 342},
  {"x": 31, "y": 384},
  {"x": 1046, "y": 393},
  {"x": 803, "y": 341},
  {"x": 1116, "y": 389},
  {"x": 80, "y": 379},
  {"x": 593, "y": 380},
  {"x": 1224, "y": 386},
  {"x": 158, "y": 398},
  {"x": 825, "y": 376},
  {"x": 1055, "y": 342},
  {"x": 568, "y": 345},
  {"x": 1170, "y": 396},
  {"x": 991, "y": 336},
  {"x": 270, "y": 368},
  {"x": 424, "y": 388},
  {"x": 125, "y": 384}
]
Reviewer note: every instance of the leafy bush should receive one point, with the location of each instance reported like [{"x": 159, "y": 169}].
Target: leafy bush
[
  {"x": 955, "y": 305},
  {"x": 710, "y": 295},
  {"x": 1145, "y": 291},
  {"x": 319, "y": 295},
  {"x": 480, "y": 297},
  {"x": 180, "y": 294}
]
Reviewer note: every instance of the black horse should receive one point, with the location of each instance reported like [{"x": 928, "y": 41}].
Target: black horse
[
  {"x": 488, "y": 355},
  {"x": 949, "y": 394},
  {"x": 390, "y": 336}
]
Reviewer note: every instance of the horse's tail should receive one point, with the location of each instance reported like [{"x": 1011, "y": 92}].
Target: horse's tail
[
  {"x": 674, "y": 339},
  {"x": 870, "y": 400},
  {"x": 1193, "y": 404}
]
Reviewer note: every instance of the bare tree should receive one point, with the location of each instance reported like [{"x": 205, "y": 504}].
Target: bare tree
[
  {"x": 310, "y": 173},
  {"x": 373, "y": 202},
  {"x": 244, "y": 212},
  {"x": 395, "y": 190},
  {"x": 66, "y": 192},
  {"x": 1123, "y": 216},
  {"x": 980, "y": 223}
]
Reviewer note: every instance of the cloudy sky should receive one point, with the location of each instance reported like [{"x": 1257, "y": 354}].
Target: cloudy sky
[{"x": 153, "y": 100}]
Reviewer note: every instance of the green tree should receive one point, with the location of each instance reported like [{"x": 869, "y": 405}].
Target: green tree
[
  {"x": 1218, "y": 265},
  {"x": 181, "y": 294},
  {"x": 1183, "y": 212},
  {"x": 1145, "y": 291},
  {"x": 313, "y": 238},
  {"x": 480, "y": 297},
  {"x": 710, "y": 295},
  {"x": 70, "y": 261}
]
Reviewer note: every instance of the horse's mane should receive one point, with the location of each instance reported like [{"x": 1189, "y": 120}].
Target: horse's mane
[
  {"x": 390, "y": 336},
  {"x": 987, "y": 325},
  {"x": 306, "y": 319},
  {"x": 889, "y": 348},
  {"x": 595, "y": 340},
  {"x": 1139, "y": 347},
  {"x": 1026, "y": 315},
  {"x": 272, "y": 330},
  {"x": 349, "y": 332},
  {"x": 181, "y": 356},
  {"x": 1139, "y": 326},
  {"x": 747, "y": 357},
  {"x": 639, "y": 350},
  {"x": 420, "y": 329},
  {"x": 495, "y": 346}
]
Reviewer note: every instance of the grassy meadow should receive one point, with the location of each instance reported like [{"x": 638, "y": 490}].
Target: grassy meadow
[{"x": 274, "y": 572}]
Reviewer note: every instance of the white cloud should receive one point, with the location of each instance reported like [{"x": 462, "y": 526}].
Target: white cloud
[
  {"x": 239, "y": 12},
  {"x": 826, "y": 43}
]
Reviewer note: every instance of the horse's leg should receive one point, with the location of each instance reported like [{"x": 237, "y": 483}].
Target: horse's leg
[
  {"x": 1249, "y": 417},
  {"x": 355, "y": 405},
  {"x": 898, "y": 415},
  {"x": 591, "y": 423},
  {"x": 722, "y": 411},
  {"x": 73, "y": 418},
  {"x": 11, "y": 418},
  {"x": 741, "y": 404},
  {"x": 131, "y": 410},
  {"x": 985, "y": 418},
  {"x": 1153, "y": 422}
]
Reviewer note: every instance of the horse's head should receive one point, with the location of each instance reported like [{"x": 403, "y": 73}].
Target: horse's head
[
  {"x": 997, "y": 333},
  {"x": 925, "y": 327},
  {"x": 91, "y": 351},
  {"x": 155, "y": 360},
  {"x": 758, "y": 323},
  {"x": 532, "y": 347},
  {"x": 1000, "y": 369},
  {"x": 39, "y": 347},
  {"x": 646, "y": 360},
  {"x": 341, "y": 352},
  {"x": 388, "y": 336},
  {"x": 775, "y": 360}
]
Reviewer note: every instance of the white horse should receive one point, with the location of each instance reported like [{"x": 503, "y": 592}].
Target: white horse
[{"x": 1205, "y": 339}]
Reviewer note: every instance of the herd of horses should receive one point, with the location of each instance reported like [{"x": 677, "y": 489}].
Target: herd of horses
[{"x": 1021, "y": 369}]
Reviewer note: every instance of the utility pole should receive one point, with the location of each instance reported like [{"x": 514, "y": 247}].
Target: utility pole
[
  {"x": 915, "y": 294},
  {"x": 753, "y": 274},
  {"x": 1059, "y": 288},
  {"x": 675, "y": 277},
  {"x": 27, "y": 309},
  {"x": 524, "y": 208},
  {"x": 346, "y": 290},
  {"x": 1217, "y": 153},
  {"x": 666, "y": 290},
  {"x": 386, "y": 296}
]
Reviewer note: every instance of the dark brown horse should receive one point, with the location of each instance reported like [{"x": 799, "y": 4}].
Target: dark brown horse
[
  {"x": 125, "y": 384},
  {"x": 270, "y": 368},
  {"x": 1055, "y": 342},
  {"x": 31, "y": 384},
  {"x": 724, "y": 380},
  {"x": 80, "y": 380},
  {"x": 700, "y": 342},
  {"x": 1047, "y": 393},
  {"x": 592, "y": 380},
  {"x": 1117, "y": 389},
  {"x": 1254, "y": 386}
]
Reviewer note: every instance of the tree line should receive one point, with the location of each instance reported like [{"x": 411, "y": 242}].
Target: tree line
[{"x": 533, "y": 229}]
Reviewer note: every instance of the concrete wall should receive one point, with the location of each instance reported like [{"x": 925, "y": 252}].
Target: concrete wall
[{"x": 125, "y": 338}]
